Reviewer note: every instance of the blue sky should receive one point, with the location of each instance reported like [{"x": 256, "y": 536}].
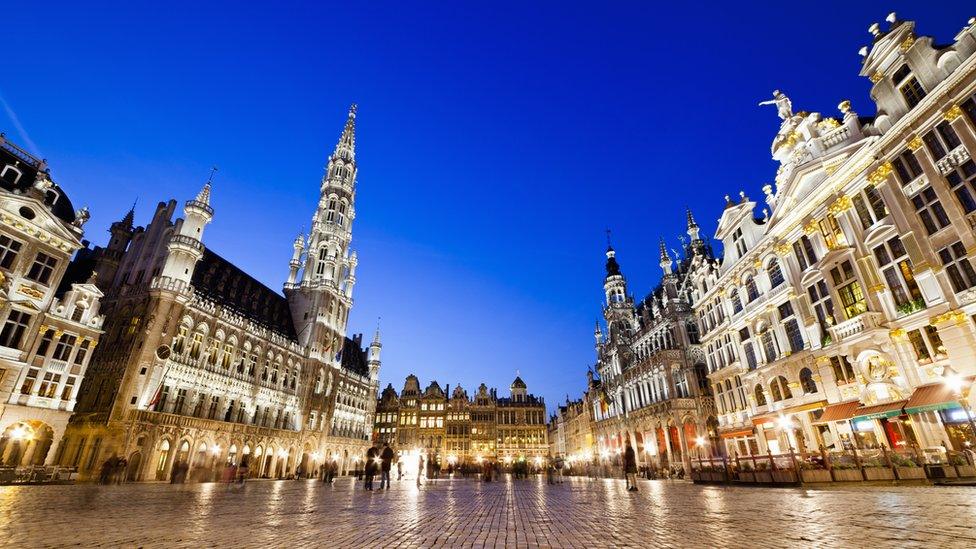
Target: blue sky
[{"x": 495, "y": 143}]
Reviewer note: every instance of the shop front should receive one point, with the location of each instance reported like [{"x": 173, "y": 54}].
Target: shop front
[{"x": 942, "y": 416}]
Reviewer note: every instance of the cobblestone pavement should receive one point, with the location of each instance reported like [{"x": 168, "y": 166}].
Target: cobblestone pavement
[{"x": 527, "y": 513}]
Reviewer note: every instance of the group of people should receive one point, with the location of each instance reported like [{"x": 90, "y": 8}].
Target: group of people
[
  {"x": 381, "y": 460},
  {"x": 113, "y": 470}
]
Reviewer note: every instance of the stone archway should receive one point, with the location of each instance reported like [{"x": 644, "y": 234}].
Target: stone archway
[
  {"x": 25, "y": 443},
  {"x": 135, "y": 461},
  {"x": 162, "y": 460}
]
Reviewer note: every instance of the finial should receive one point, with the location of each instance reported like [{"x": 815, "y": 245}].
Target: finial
[
  {"x": 213, "y": 170},
  {"x": 742, "y": 196},
  {"x": 664, "y": 252},
  {"x": 728, "y": 199},
  {"x": 376, "y": 336},
  {"x": 892, "y": 18},
  {"x": 844, "y": 106},
  {"x": 352, "y": 110},
  {"x": 875, "y": 29},
  {"x": 863, "y": 52},
  {"x": 609, "y": 246},
  {"x": 691, "y": 218}
]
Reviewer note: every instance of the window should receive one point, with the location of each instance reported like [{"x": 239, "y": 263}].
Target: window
[
  {"x": 180, "y": 401},
  {"x": 803, "y": 250},
  {"x": 775, "y": 274},
  {"x": 833, "y": 236},
  {"x": 28, "y": 385},
  {"x": 822, "y": 305},
  {"x": 63, "y": 349},
  {"x": 751, "y": 290},
  {"x": 807, "y": 383},
  {"x": 196, "y": 343},
  {"x": 962, "y": 179},
  {"x": 930, "y": 210},
  {"x": 779, "y": 389},
  {"x": 907, "y": 167},
  {"x": 927, "y": 344},
  {"x": 82, "y": 351},
  {"x": 49, "y": 386},
  {"x": 909, "y": 86},
  {"x": 760, "y": 396},
  {"x": 941, "y": 140},
  {"x": 958, "y": 267},
  {"x": 843, "y": 371},
  {"x": 849, "y": 290},
  {"x": 897, "y": 270},
  {"x": 226, "y": 357},
  {"x": 747, "y": 348},
  {"x": 214, "y": 403},
  {"x": 163, "y": 397},
  {"x": 14, "y": 328},
  {"x": 870, "y": 207},
  {"x": 9, "y": 248},
  {"x": 69, "y": 386},
  {"x": 969, "y": 107},
  {"x": 740, "y": 243},
  {"x": 793, "y": 334},
  {"x": 736, "y": 302},
  {"x": 45, "y": 342},
  {"x": 213, "y": 349},
  {"x": 40, "y": 271},
  {"x": 769, "y": 345}
]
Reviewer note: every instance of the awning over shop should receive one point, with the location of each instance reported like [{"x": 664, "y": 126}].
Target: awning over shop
[
  {"x": 878, "y": 411},
  {"x": 839, "y": 412},
  {"x": 935, "y": 396},
  {"x": 773, "y": 416},
  {"x": 740, "y": 433},
  {"x": 757, "y": 421}
]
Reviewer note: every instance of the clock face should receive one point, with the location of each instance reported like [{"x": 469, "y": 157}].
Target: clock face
[{"x": 163, "y": 352}]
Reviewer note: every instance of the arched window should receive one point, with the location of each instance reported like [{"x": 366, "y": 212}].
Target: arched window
[
  {"x": 775, "y": 274},
  {"x": 179, "y": 342},
  {"x": 213, "y": 349},
  {"x": 320, "y": 266},
  {"x": 785, "y": 386},
  {"x": 807, "y": 383},
  {"x": 774, "y": 391},
  {"x": 196, "y": 345},
  {"x": 731, "y": 396},
  {"x": 760, "y": 396},
  {"x": 721, "y": 396},
  {"x": 752, "y": 292},
  {"x": 736, "y": 302}
]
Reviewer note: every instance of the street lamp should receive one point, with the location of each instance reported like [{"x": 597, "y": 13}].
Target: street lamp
[
  {"x": 957, "y": 385},
  {"x": 786, "y": 424}
]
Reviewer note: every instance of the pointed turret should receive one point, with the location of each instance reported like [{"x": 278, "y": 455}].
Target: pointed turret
[
  {"x": 374, "y": 355},
  {"x": 693, "y": 229},
  {"x": 613, "y": 268},
  {"x": 665, "y": 259},
  {"x": 296, "y": 258},
  {"x": 186, "y": 245}
]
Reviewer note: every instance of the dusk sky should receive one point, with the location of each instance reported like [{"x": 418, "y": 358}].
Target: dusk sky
[{"x": 495, "y": 144}]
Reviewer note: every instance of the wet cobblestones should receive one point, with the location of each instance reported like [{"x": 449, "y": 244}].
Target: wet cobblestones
[{"x": 579, "y": 513}]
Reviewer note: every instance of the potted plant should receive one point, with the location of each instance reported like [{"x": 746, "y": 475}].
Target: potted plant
[
  {"x": 763, "y": 474},
  {"x": 875, "y": 469},
  {"x": 906, "y": 467},
  {"x": 963, "y": 468},
  {"x": 846, "y": 471},
  {"x": 812, "y": 472},
  {"x": 746, "y": 472}
]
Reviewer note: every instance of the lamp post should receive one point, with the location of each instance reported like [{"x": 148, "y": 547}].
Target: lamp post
[
  {"x": 957, "y": 385},
  {"x": 786, "y": 424}
]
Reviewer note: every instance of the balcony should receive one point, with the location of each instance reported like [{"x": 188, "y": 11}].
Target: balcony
[
  {"x": 185, "y": 243},
  {"x": 955, "y": 158},
  {"x": 836, "y": 136},
  {"x": 852, "y": 328}
]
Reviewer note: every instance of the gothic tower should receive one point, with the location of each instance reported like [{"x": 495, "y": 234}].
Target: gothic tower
[{"x": 321, "y": 298}]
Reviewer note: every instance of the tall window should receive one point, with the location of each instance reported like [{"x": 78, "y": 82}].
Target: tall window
[
  {"x": 69, "y": 387},
  {"x": 831, "y": 232},
  {"x": 962, "y": 179},
  {"x": 958, "y": 267},
  {"x": 736, "y": 302},
  {"x": 909, "y": 86},
  {"x": 779, "y": 389},
  {"x": 822, "y": 305},
  {"x": 927, "y": 344},
  {"x": 42, "y": 268},
  {"x": 196, "y": 344},
  {"x": 907, "y": 167},
  {"x": 941, "y": 140},
  {"x": 82, "y": 351},
  {"x": 747, "y": 348},
  {"x": 969, "y": 107},
  {"x": 14, "y": 328},
  {"x": 63, "y": 349},
  {"x": 775, "y": 274},
  {"x": 849, "y": 290},
  {"x": 213, "y": 349},
  {"x": 803, "y": 250},
  {"x": 9, "y": 248},
  {"x": 760, "y": 396},
  {"x": 807, "y": 383},
  {"x": 930, "y": 210},
  {"x": 751, "y": 290},
  {"x": 792, "y": 327},
  {"x": 180, "y": 401},
  {"x": 179, "y": 342},
  {"x": 29, "y": 381},
  {"x": 740, "y": 243},
  {"x": 897, "y": 269},
  {"x": 870, "y": 207},
  {"x": 843, "y": 371}
]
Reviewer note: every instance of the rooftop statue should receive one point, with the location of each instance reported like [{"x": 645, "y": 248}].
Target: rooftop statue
[{"x": 784, "y": 107}]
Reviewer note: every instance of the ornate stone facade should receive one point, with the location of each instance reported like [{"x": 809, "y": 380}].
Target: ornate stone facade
[
  {"x": 206, "y": 366},
  {"x": 50, "y": 315}
]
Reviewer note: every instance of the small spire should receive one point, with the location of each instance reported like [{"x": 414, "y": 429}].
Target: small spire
[
  {"x": 130, "y": 216},
  {"x": 204, "y": 195},
  {"x": 691, "y": 219},
  {"x": 376, "y": 336},
  {"x": 664, "y": 253},
  {"x": 609, "y": 246}
]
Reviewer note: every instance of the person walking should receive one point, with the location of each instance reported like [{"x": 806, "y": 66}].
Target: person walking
[
  {"x": 420, "y": 468},
  {"x": 386, "y": 458},
  {"x": 369, "y": 470},
  {"x": 630, "y": 467},
  {"x": 400, "y": 469},
  {"x": 550, "y": 470},
  {"x": 560, "y": 465}
]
